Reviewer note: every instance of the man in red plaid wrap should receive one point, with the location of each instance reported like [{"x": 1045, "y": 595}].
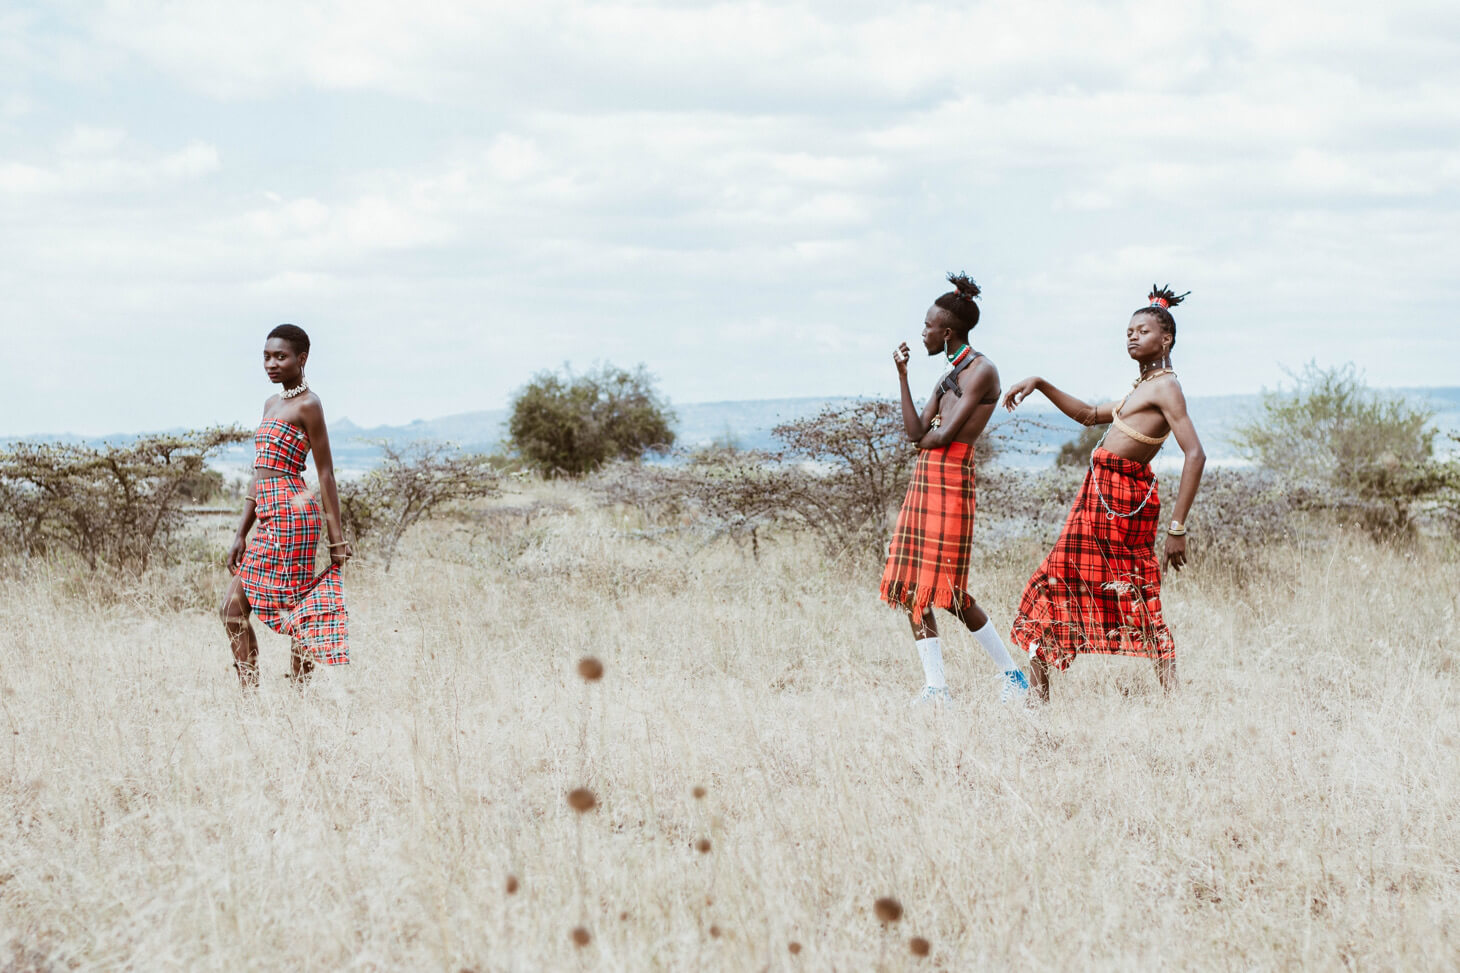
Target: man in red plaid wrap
[
  {"x": 1099, "y": 590},
  {"x": 928, "y": 561}
]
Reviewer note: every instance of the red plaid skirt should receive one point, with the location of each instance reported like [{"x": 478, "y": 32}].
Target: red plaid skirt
[
  {"x": 1099, "y": 590},
  {"x": 278, "y": 571},
  {"x": 928, "y": 562}
]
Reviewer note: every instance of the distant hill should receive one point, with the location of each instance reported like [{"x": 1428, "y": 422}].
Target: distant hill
[{"x": 748, "y": 424}]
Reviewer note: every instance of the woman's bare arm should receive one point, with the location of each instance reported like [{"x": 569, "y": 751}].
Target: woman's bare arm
[
  {"x": 245, "y": 524},
  {"x": 1172, "y": 403},
  {"x": 324, "y": 466}
]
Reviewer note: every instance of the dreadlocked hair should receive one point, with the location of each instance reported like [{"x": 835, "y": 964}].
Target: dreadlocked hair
[
  {"x": 1163, "y": 314},
  {"x": 960, "y": 302},
  {"x": 293, "y": 334}
]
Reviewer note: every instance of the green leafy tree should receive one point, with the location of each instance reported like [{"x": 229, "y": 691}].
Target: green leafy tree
[
  {"x": 1369, "y": 452},
  {"x": 570, "y": 424}
]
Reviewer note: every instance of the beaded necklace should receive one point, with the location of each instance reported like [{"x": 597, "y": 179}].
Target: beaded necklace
[
  {"x": 953, "y": 360},
  {"x": 1153, "y": 373}
]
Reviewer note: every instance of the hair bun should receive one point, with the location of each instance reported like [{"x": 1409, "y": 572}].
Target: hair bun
[
  {"x": 1165, "y": 297},
  {"x": 964, "y": 286}
]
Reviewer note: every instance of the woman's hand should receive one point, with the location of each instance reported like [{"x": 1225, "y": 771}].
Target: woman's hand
[
  {"x": 1175, "y": 551},
  {"x": 1018, "y": 391},
  {"x": 899, "y": 358},
  {"x": 340, "y": 554},
  {"x": 235, "y": 553}
]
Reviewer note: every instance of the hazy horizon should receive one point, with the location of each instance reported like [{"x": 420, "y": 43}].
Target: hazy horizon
[{"x": 1448, "y": 417}]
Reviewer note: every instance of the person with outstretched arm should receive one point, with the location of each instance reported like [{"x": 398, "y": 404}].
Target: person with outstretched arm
[{"x": 1099, "y": 590}]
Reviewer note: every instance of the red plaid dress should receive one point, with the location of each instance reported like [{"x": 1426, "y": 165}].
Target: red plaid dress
[
  {"x": 928, "y": 561},
  {"x": 1099, "y": 590},
  {"x": 278, "y": 567}
]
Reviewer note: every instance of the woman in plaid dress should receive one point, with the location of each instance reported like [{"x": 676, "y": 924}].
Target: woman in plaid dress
[
  {"x": 1099, "y": 590},
  {"x": 928, "y": 560},
  {"x": 273, "y": 574}
]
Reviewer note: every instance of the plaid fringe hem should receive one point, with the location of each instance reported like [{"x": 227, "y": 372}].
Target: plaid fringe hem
[{"x": 907, "y": 597}]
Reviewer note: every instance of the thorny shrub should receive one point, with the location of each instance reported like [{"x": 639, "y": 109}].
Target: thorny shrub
[
  {"x": 119, "y": 506},
  {"x": 1369, "y": 454},
  {"x": 412, "y": 483},
  {"x": 839, "y": 474}
]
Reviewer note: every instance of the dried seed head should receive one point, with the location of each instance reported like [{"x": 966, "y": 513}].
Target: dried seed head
[
  {"x": 889, "y": 909},
  {"x": 581, "y": 937},
  {"x": 590, "y": 669},
  {"x": 795, "y": 947},
  {"x": 698, "y": 792},
  {"x": 582, "y": 800},
  {"x": 512, "y": 885},
  {"x": 703, "y": 846},
  {"x": 715, "y": 932},
  {"x": 919, "y": 946}
]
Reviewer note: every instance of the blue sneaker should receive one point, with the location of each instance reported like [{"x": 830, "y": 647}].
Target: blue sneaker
[
  {"x": 932, "y": 696},
  {"x": 1015, "y": 686}
]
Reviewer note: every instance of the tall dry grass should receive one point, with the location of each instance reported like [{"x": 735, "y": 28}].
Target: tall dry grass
[{"x": 1294, "y": 805}]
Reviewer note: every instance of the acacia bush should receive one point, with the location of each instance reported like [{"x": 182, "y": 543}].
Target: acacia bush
[
  {"x": 1369, "y": 454},
  {"x": 854, "y": 465},
  {"x": 720, "y": 493},
  {"x": 1076, "y": 451},
  {"x": 839, "y": 474},
  {"x": 120, "y": 506},
  {"x": 1442, "y": 506},
  {"x": 569, "y": 425},
  {"x": 412, "y": 483}
]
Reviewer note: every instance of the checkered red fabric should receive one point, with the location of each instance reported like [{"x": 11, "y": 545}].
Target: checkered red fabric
[
  {"x": 1099, "y": 590},
  {"x": 928, "y": 561},
  {"x": 278, "y": 571},
  {"x": 280, "y": 445}
]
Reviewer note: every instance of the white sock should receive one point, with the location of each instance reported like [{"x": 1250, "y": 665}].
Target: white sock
[
  {"x": 994, "y": 646},
  {"x": 932, "y": 655}
]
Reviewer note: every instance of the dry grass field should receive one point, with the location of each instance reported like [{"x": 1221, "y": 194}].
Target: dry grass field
[{"x": 1296, "y": 805}]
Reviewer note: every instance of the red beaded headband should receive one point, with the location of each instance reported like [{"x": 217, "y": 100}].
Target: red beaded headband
[{"x": 1158, "y": 301}]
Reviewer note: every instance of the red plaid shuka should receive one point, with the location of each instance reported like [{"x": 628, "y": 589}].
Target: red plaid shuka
[
  {"x": 928, "y": 562},
  {"x": 278, "y": 571},
  {"x": 1099, "y": 590}
]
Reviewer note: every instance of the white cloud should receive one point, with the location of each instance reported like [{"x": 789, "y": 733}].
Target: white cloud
[
  {"x": 457, "y": 194},
  {"x": 192, "y": 160},
  {"x": 91, "y": 160}
]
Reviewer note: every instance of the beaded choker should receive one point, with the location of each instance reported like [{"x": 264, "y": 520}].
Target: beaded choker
[
  {"x": 955, "y": 359},
  {"x": 299, "y": 389},
  {"x": 1153, "y": 373}
]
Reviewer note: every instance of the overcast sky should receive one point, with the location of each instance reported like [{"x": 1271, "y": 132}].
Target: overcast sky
[{"x": 753, "y": 200}]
